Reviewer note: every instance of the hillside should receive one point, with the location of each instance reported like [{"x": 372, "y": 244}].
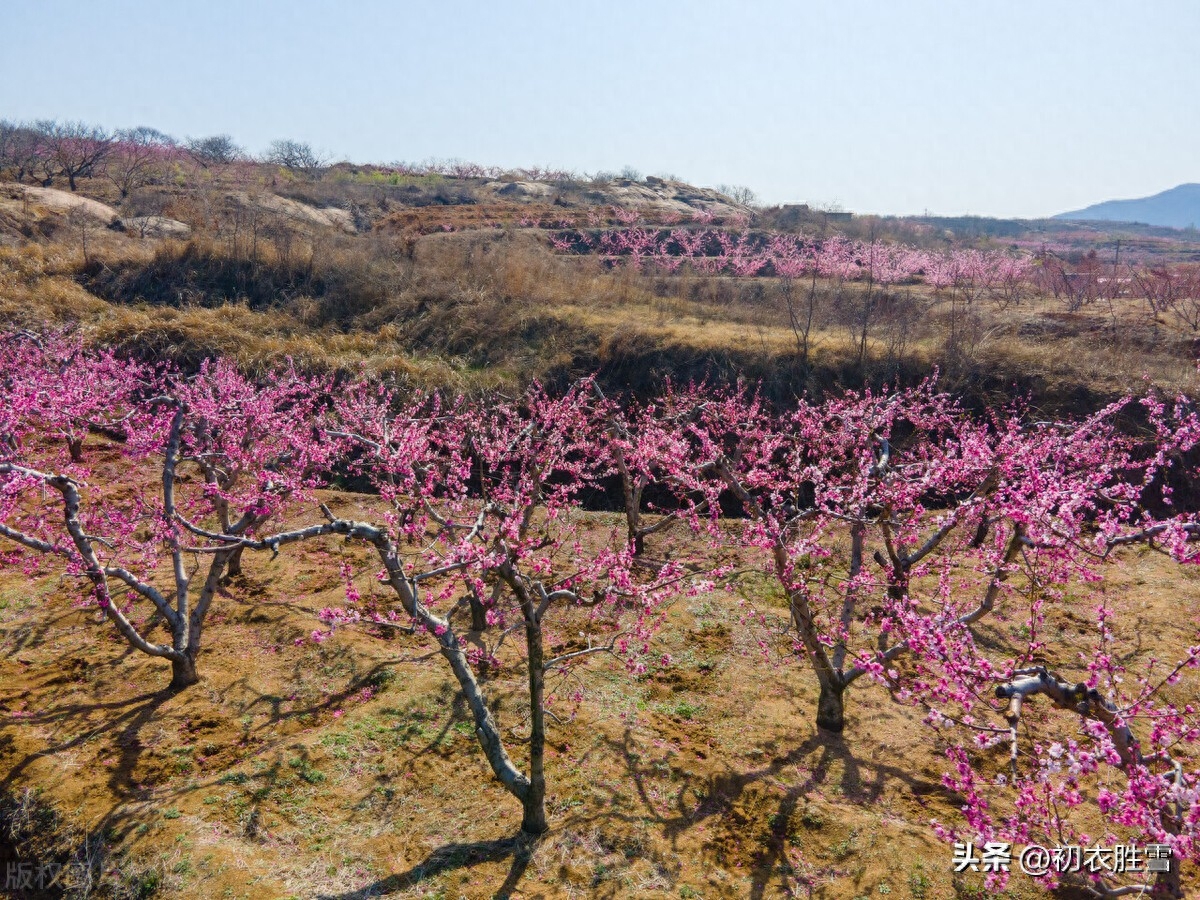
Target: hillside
[
  {"x": 456, "y": 280},
  {"x": 1178, "y": 207}
]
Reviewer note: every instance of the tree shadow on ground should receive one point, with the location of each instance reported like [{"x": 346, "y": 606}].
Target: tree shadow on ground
[
  {"x": 717, "y": 795},
  {"x": 452, "y": 857},
  {"x": 824, "y": 760},
  {"x": 128, "y": 717}
]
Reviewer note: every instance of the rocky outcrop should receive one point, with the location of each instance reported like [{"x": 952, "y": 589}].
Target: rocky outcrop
[
  {"x": 657, "y": 193},
  {"x": 152, "y": 227}
]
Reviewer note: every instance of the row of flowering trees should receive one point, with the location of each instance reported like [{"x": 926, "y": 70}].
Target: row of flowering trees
[
  {"x": 746, "y": 253},
  {"x": 965, "y": 274},
  {"x": 47, "y": 151},
  {"x": 895, "y": 525},
  {"x": 1162, "y": 287}
]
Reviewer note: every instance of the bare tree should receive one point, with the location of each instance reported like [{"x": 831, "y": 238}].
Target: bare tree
[
  {"x": 739, "y": 194},
  {"x": 9, "y": 137},
  {"x": 297, "y": 156},
  {"x": 8, "y": 131},
  {"x": 801, "y": 319},
  {"x": 1182, "y": 297},
  {"x": 82, "y": 222},
  {"x": 216, "y": 150}
]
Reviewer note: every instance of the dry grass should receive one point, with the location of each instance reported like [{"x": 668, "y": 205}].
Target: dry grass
[{"x": 495, "y": 306}]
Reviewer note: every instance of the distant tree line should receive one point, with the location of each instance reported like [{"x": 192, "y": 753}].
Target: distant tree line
[{"x": 49, "y": 152}]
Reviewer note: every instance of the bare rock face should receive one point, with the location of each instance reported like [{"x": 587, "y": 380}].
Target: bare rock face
[
  {"x": 153, "y": 227},
  {"x": 66, "y": 202},
  {"x": 516, "y": 189},
  {"x": 294, "y": 210},
  {"x": 669, "y": 195},
  {"x": 653, "y": 193}
]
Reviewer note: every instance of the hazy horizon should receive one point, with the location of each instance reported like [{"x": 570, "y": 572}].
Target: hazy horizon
[{"x": 895, "y": 109}]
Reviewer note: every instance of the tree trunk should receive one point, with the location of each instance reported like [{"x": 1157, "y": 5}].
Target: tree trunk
[
  {"x": 183, "y": 671},
  {"x": 490, "y": 738},
  {"x": 639, "y": 544},
  {"x": 534, "y": 801},
  {"x": 534, "y": 820},
  {"x": 75, "y": 448},
  {"x": 233, "y": 568},
  {"x": 831, "y": 707},
  {"x": 633, "y": 514},
  {"x": 808, "y": 321},
  {"x": 1168, "y": 884},
  {"x": 479, "y": 620}
]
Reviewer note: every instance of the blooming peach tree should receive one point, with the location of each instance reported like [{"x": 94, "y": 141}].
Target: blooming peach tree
[
  {"x": 1092, "y": 748},
  {"x": 56, "y": 388},
  {"x": 116, "y": 524},
  {"x": 490, "y": 496}
]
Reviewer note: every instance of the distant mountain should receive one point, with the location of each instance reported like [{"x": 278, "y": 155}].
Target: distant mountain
[{"x": 1177, "y": 208}]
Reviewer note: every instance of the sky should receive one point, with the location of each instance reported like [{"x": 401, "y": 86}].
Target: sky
[{"x": 988, "y": 108}]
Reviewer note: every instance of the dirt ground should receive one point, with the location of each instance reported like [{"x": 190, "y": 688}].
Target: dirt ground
[{"x": 349, "y": 769}]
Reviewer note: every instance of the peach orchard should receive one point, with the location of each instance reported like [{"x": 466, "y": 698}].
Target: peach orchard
[{"x": 895, "y": 524}]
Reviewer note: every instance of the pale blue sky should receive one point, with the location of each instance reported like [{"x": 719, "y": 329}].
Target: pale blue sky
[{"x": 994, "y": 108}]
